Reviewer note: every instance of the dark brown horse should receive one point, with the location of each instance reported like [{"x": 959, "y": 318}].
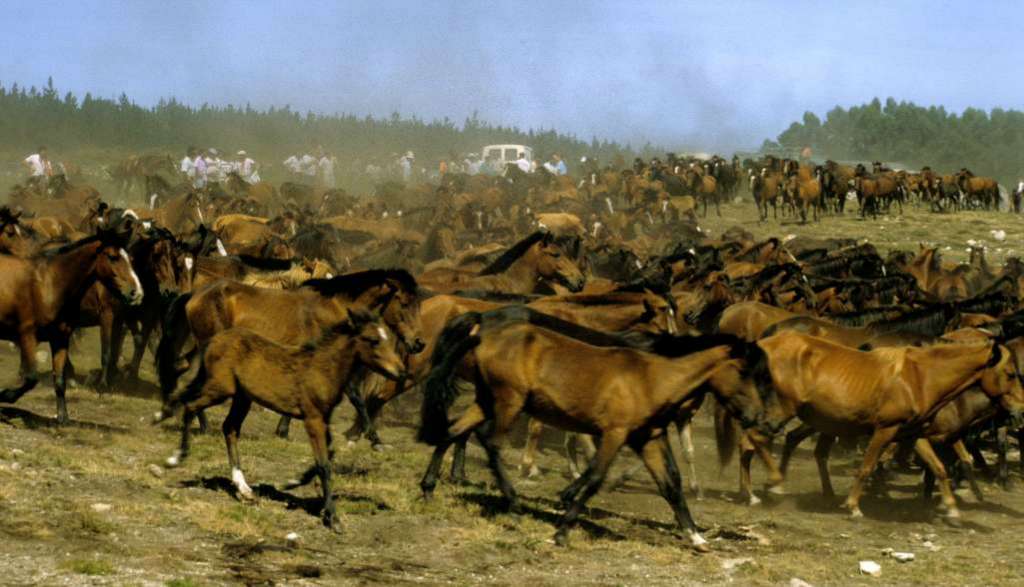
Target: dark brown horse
[
  {"x": 305, "y": 382},
  {"x": 40, "y": 299}
]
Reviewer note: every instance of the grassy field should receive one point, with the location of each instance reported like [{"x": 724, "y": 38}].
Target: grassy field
[{"x": 92, "y": 504}]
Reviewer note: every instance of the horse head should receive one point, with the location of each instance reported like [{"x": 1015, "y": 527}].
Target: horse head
[
  {"x": 552, "y": 263},
  {"x": 374, "y": 343},
  {"x": 113, "y": 266}
]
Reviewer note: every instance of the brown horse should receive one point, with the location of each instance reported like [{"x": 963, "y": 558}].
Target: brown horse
[
  {"x": 766, "y": 189},
  {"x": 887, "y": 393},
  {"x": 804, "y": 193},
  {"x": 304, "y": 382},
  {"x": 40, "y": 298},
  {"x": 624, "y": 395},
  {"x": 530, "y": 266},
  {"x": 287, "y": 316}
]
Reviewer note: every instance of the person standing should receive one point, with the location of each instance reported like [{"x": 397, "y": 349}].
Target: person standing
[
  {"x": 188, "y": 164},
  {"x": 326, "y": 169},
  {"x": 39, "y": 168},
  {"x": 523, "y": 163},
  {"x": 559, "y": 164},
  {"x": 199, "y": 172},
  {"x": 247, "y": 168},
  {"x": 406, "y": 163}
]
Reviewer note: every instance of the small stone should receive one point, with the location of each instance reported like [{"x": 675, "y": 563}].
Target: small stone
[
  {"x": 930, "y": 546},
  {"x": 15, "y": 466},
  {"x": 887, "y": 551},
  {"x": 156, "y": 471},
  {"x": 292, "y": 538},
  {"x": 796, "y": 582},
  {"x": 101, "y": 507},
  {"x": 903, "y": 557},
  {"x": 871, "y": 568},
  {"x": 730, "y": 564},
  {"x": 17, "y": 452}
]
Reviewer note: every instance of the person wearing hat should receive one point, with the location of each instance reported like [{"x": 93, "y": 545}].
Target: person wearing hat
[
  {"x": 406, "y": 164},
  {"x": 247, "y": 168}
]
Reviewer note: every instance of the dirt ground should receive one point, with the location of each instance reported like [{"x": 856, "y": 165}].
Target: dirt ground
[{"x": 91, "y": 503}]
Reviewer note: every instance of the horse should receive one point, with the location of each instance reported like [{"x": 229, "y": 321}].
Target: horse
[
  {"x": 304, "y": 382},
  {"x": 804, "y": 193},
  {"x": 40, "y": 298},
  {"x": 287, "y": 316},
  {"x": 890, "y": 393},
  {"x": 625, "y": 396},
  {"x": 529, "y": 265}
]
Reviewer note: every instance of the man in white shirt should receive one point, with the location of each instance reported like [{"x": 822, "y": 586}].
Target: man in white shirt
[
  {"x": 406, "y": 163},
  {"x": 39, "y": 169},
  {"x": 188, "y": 165},
  {"x": 247, "y": 168},
  {"x": 326, "y": 165},
  {"x": 523, "y": 163},
  {"x": 214, "y": 169},
  {"x": 307, "y": 165},
  {"x": 199, "y": 173},
  {"x": 292, "y": 164}
]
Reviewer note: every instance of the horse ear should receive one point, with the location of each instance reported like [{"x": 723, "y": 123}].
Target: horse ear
[{"x": 358, "y": 317}]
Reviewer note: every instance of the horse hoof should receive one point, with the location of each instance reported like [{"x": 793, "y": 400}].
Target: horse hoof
[
  {"x": 776, "y": 489},
  {"x": 381, "y": 447},
  {"x": 561, "y": 538},
  {"x": 246, "y": 495},
  {"x": 533, "y": 472},
  {"x": 173, "y": 460},
  {"x": 953, "y": 520},
  {"x": 350, "y": 444},
  {"x": 855, "y": 513},
  {"x": 699, "y": 543},
  {"x": 754, "y": 501}
]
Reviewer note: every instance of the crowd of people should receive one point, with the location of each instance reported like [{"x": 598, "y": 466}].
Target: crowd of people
[{"x": 202, "y": 167}]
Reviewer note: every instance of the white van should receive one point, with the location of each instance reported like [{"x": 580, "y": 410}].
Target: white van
[{"x": 505, "y": 154}]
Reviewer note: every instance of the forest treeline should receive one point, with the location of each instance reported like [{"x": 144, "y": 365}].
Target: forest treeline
[
  {"x": 988, "y": 143},
  {"x": 88, "y": 126}
]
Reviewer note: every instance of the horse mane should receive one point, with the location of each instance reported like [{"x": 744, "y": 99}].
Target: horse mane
[
  {"x": 265, "y": 264},
  {"x": 502, "y": 263},
  {"x": 929, "y": 321},
  {"x": 867, "y": 316},
  {"x": 496, "y": 296},
  {"x": 100, "y": 237},
  {"x": 993, "y": 303},
  {"x": 354, "y": 284},
  {"x": 613, "y": 298}
]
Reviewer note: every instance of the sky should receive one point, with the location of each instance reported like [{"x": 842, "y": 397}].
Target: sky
[{"x": 700, "y": 75}]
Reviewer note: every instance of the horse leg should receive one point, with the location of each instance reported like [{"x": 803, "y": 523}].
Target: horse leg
[
  {"x": 527, "y": 466},
  {"x": 458, "y": 470},
  {"x": 27, "y": 346},
  {"x": 470, "y": 419},
  {"x": 821, "y": 452},
  {"x": 107, "y": 324},
  {"x": 141, "y": 335},
  {"x": 593, "y": 477},
  {"x": 927, "y": 454},
  {"x": 355, "y": 396},
  {"x": 1002, "y": 464},
  {"x": 686, "y": 443},
  {"x": 232, "y": 428},
  {"x": 657, "y": 456},
  {"x": 317, "y": 429},
  {"x": 485, "y": 434},
  {"x": 775, "y": 477},
  {"x": 746, "y": 455},
  {"x": 793, "y": 439},
  {"x": 283, "y": 425},
  {"x": 965, "y": 461},
  {"x": 59, "y": 351},
  {"x": 879, "y": 440}
]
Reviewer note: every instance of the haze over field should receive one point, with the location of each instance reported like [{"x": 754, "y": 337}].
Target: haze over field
[{"x": 699, "y": 74}]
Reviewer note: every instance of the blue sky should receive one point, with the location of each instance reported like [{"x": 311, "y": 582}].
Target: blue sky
[{"x": 712, "y": 75}]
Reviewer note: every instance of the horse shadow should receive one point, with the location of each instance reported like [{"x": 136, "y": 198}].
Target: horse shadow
[
  {"x": 310, "y": 505},
  {"x": 909, "y": 510},
  {"x": 494, "y": 505},
  {"x": 33, "y": 421}
]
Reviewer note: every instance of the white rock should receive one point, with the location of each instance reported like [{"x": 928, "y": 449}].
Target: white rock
[
  {"x": 871, "y": 568},
  {"x": 999, "y": 235},
  {"x": 903, "y": 557},
  {"x": 101, "y": 507},
  {"x": 17, "y": 452},
  {"x": 292, "y": 537},
  {"x": 795, "y": 582},
  {"x": 156, "y": 471},
  {"x": 730, "y": 564}
]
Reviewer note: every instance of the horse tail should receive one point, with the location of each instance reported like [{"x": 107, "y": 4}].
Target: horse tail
[
  {"x": 459, "y": 336},
  {"x": 725, "y": 435},
  {"x": 174, "y": 330}
]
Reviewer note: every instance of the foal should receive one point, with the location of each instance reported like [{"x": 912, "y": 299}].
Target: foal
[{"x": 304, "y": 382}]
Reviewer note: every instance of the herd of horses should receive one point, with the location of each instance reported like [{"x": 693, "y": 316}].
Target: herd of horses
[{"x": 594, "y": 305}]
